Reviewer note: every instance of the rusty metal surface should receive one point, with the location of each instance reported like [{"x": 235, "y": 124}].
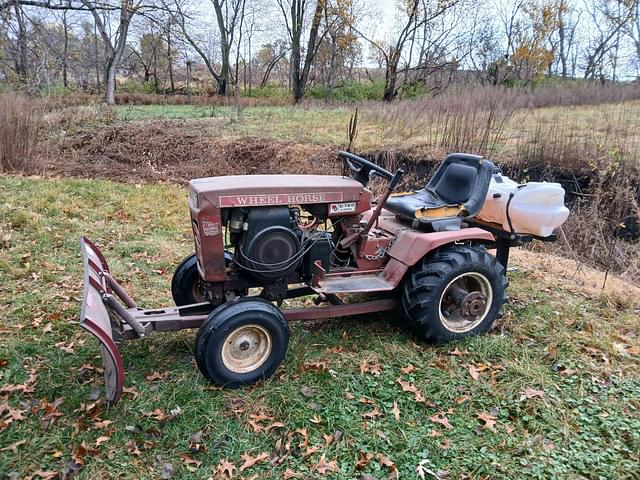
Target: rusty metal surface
[
  {"x": 94, "y": 318},
  {"x": 208, "y": 236},
  {"x": 262, "y": 190},
  {"x": 356, "y": 284},
  {"x": 344, "y": 310},
  {"x": 394, "y": 271}
]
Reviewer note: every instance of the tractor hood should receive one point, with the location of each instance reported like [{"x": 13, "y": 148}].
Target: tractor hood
[{"x": 264, "y": 190}]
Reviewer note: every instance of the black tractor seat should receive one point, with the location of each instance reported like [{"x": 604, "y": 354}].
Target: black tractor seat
[{"x": 457, "y": 190}]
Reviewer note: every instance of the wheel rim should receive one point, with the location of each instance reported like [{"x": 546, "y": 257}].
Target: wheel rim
[
  {"x": 465, "y": 302},
  {"x": 246, "y": 348},
  {"x": 197, "y": 292}
]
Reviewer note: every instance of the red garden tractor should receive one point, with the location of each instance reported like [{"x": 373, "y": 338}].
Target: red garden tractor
[{"x": 261, "y": 239}]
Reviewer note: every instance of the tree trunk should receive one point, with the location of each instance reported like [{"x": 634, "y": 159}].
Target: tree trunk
[
  {"x": 391, "y": 77},
  {"x": 562, "y": 38},
  {"x": 65, "y": 49},
  {"x": 22, "y": 60},
  {"x": 171, "y": 81},
  {"x": 95, "y": 55},
  {"x": 311, "y": 47},
  {"x": 110, "y": 83}
]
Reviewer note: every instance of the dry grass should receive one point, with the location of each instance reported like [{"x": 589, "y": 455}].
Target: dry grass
[{"x": 20, "y": 127}]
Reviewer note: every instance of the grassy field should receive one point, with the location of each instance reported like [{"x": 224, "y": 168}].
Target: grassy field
[
  {"x": 552, "y": 392},
  {"x": 613, "y": 126}
]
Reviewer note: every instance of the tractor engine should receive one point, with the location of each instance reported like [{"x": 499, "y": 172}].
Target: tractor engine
[{"x": 271, "y": 243}]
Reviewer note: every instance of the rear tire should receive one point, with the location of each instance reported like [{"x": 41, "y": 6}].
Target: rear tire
[
  {"x": 242, "y": 342},
  {"x": 453, "y": 294}
]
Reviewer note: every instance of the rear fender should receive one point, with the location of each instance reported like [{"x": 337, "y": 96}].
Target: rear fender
[{"x": 411, "y": 246}]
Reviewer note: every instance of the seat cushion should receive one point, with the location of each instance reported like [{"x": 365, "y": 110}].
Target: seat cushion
[
  {"x": 420, "y": 204},
  {"x": 456, "y": 183}
]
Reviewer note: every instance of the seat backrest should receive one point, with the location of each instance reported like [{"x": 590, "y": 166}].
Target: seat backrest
[{"x": 462, "y": 179}]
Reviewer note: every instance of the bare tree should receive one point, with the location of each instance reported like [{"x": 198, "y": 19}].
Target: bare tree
[
  {"x": 295, "y": 14},
  {"x": 229, "y": 15},
  {"x": 609, "y": 18},
  {"x": 417, "y": 14}
]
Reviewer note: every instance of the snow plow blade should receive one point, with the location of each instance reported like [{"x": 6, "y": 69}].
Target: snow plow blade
[{"x": 95, "y": 318}]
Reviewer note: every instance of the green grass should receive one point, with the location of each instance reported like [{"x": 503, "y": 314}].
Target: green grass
[
  {"x": 300, "y": 124},
  {"x": 586, "y": 425}
]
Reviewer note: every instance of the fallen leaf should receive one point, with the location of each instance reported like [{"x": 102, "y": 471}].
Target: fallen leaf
[
  {"x": 375, "y": 413},
  {"x": 131, "y": 391},
  {"x": 386, "y": 462},
  {"x": 275, "y": 425},
  {"x": 529, "y": 393},
  {"x": 441, "y": 419},
  {"x": 328, "y": 439},
  {"x": 132, "y": 448},
  {"x": 152, "y": 377},
  {"x": 15, "y": 415},
  {"x": 338, "y": 349},
  {"x": 396, "y": 411},
  {"x": 225, "y": 467},
  {"x": 101, "y": 440},
  {"x": 45, "y": 474},
  {"x": 102, "y": 423},
  {"x": 189, "y": 460},
  {"x": 256, "y": 418},
  {"x": 288, "y": 473},
  {"x": 462, "y": 399},
  {"x": 409, "y": 387},
  {"x": 366, "y": 401},
  {"x": 310, "y": 451},
  {"x": 323, "y": 466},
  {"x": 364, "y": 458},
  {"x": 489, "y": 420},
  {"x": 625, "y": 349},
  {"x": 370, "y": 367},
  {"x": 250, "y": 461},
  {"x": 318, "y": 365},
  {"x": 458, "y": 353},
  {"x": 408, "y": 369},
  {"x": 474, "y": 372}
]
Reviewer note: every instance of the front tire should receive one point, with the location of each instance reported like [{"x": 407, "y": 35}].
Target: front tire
[
  {"x": 242, "y": 342},
  {"x": 455, "y": 293},
  {"x": 186, "y": 285}
]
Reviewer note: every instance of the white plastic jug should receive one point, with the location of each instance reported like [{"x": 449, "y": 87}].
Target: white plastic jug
[{"x": 537, "y": 208}]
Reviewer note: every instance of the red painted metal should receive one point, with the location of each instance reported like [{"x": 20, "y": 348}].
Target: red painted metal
[
  {"x": 263, "y": 190},
  {"x": 111, "y": 360},
  {"x": 411, "y": 246},
  {"x": 208, "y": 240}
]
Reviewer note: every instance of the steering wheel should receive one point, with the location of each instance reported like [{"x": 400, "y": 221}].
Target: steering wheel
[{"x": 362, "y": 168}]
